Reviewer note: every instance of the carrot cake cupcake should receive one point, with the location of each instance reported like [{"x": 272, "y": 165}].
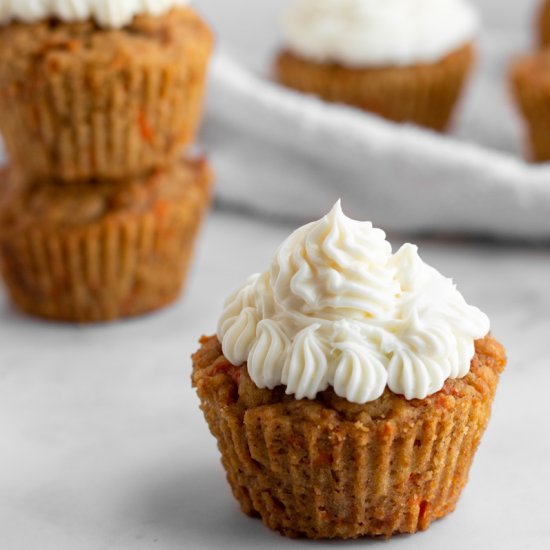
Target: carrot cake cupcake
[
  {"x": 543, "y": 23},
  {"x": 405, "y": 60},
  {"x": 97, "y": 88},
  {"x": 93, "y": 251},
  {"x": 530, "y": 79},
  {"x": 348, "y": 386}
]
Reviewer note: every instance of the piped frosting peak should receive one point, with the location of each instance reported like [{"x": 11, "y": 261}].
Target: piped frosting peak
[{"x": 337, "y": 308}]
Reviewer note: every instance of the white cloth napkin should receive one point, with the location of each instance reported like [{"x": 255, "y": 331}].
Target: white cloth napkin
[{"x": 283, "y": 154}]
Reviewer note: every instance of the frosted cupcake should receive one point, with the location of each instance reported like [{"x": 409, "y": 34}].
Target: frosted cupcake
[
  {"x": 405, "y": 60},
  {"x": 348, "y": 386},
  {"x": 94, "y": 251},
  {"x": 98, "y": 88}
]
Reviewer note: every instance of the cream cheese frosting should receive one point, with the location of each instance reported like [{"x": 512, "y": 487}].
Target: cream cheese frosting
[
  {"x": 107, "y": 13},
  {"x": 379, "y": 32},
  {"x": 338, "y": 308}
]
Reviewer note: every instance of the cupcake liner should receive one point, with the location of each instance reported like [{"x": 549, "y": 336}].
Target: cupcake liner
[
  {"x": 122, "y": 265},
  {"x": 421, "y": 94},
  {"x": 83, "y": 118},
  {"x": 306, "y": 470}
]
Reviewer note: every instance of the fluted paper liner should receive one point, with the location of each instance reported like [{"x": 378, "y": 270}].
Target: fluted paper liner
[
  {"x": 306, "y": 470},
  {"x": 422, "y": 94}
]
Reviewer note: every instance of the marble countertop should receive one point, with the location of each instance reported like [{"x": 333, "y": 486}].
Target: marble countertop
[{"x": 103, "y": 445}]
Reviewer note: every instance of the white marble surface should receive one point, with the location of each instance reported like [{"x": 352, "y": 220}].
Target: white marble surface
[{"x": 103, "y": 446}]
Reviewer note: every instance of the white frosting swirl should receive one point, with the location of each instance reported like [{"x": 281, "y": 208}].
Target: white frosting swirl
[
  {"x": 337, "y": 308},
  {"x": 379, "y": 32},
  {"x": 107, "y": 13}
]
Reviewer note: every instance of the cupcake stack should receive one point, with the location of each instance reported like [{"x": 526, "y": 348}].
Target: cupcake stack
[{"x": 98, "y": 101}]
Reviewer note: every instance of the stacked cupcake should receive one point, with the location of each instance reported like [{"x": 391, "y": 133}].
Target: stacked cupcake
[
  {"x": 98, "y": 101},
  {"x": 348, "y": 386}
]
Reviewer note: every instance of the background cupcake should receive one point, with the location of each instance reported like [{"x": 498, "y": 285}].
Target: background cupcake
[
  {"x": 348, "y": 387},
  {"x": 530, "y": 81},
  {"x": 95, "y": 252},
  {"x": 100, "y": 89},
  {"x": 543, "y": 23},
  {"x": 405, "y": 60}
]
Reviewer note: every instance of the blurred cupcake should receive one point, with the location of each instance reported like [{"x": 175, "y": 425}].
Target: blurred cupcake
[
  {"x": 100, "y": 89},
  {"x": 543, "y": 23},
  {"x": 93, "y": 251},
  {"x": 348, "y": 387},
  {"x": 405, "y": 60},
  {"x": 530, "y": 79}
]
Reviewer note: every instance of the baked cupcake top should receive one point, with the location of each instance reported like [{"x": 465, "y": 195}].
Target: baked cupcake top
[
  {"x": 338, "y": 308},
  {"x": 370, "y": 33},
  {"x": 106, "y": 13}
]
